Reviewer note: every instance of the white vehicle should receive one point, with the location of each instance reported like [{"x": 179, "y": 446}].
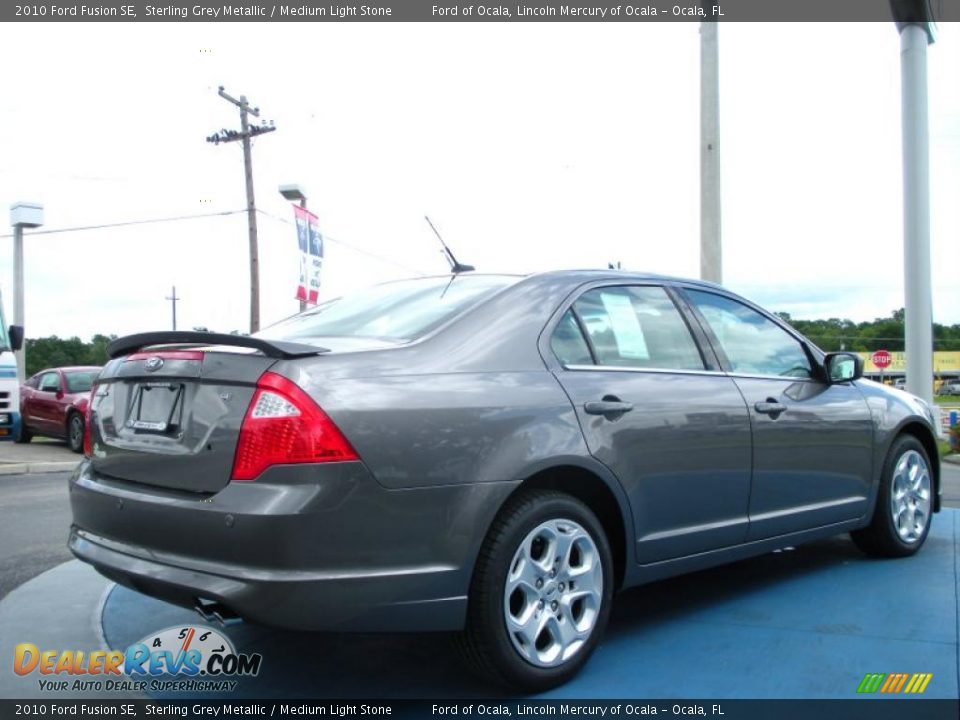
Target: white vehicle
[{"x": 10, "y": 339}]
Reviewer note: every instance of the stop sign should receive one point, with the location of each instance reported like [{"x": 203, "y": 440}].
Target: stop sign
[{"x": 881, "y": 358}]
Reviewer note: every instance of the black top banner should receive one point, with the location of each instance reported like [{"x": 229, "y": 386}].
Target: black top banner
[{"x": 471, "y": 11}]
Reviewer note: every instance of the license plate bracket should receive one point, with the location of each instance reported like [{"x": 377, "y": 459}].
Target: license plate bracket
[{"x": 156, "y": 407}]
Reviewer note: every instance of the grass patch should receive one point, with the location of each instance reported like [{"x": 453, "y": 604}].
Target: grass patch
[{"x": 947, "y": 399}]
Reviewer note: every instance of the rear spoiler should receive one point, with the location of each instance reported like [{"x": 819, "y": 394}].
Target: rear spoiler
[{"x": 271, "y": 348}]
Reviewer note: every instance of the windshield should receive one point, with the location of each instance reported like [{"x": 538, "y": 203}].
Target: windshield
[
  {"x": 399, "y": 311},
  {"x": 80, "y": 381}
]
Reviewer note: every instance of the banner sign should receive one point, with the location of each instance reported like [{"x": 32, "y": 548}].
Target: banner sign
[
  {"x": 304, "y": 11},
  {"x": 310, "y": 242}
]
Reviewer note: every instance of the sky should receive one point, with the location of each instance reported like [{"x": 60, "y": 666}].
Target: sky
[{"x": 532, "y": 147}]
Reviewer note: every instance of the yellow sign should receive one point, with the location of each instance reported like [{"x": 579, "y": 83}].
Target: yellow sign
[{"x": 943, "y": 361}]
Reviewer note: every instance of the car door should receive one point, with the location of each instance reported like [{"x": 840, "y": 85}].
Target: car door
[
  {"x": 27, "y": 391},
  {"x": 812, "y": 441},
  {"x": 44, "y": 404},
  {"x": 656, "y": 409}
]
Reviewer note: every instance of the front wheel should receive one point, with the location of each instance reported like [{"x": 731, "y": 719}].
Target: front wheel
[
  {"x": 901, "y": 519},
  {"x": 75, "y": 432},
  {"x": 541, "y": 592},
  {"x": 24, "y": 436}
]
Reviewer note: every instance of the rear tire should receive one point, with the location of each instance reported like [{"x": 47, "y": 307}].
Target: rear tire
[
  {"x": 541, "y": 592},
  {"x": 24, "y": 436},
  {"x": 75, "y": 432},
  {"x": 904, "y": 509}
]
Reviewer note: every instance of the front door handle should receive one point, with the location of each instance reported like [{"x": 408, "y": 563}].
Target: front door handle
[
  {"x": 608, "y": 407},
  {"x": 770, "y": 407}
]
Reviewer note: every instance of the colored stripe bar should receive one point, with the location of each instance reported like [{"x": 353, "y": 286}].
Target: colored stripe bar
[
  {"x": 914, "y": 682},
  {"x": 903, "y": 679},
  {"x": 870, "y": 682}
]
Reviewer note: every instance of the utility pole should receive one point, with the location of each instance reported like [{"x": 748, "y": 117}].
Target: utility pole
[
  {"x": 711, "y": 257},
  {"x": 173, "y": 301},
  {"x": 914, "y": 20},
  {"x": 247, "y": 131}
]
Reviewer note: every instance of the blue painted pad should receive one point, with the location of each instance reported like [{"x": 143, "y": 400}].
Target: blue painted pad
[{"x": 803, "y": 623}]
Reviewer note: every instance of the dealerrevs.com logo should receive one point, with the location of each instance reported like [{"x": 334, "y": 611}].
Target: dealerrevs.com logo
[{"x": 190, "y": 659}]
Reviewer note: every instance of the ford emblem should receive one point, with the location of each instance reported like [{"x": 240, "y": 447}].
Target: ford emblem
[{"x": 153, "y": 364}]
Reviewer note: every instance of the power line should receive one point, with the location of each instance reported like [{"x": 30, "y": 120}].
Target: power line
[
  {"x": 177, "y": 218},
  {"x": 349, "y": 246}
]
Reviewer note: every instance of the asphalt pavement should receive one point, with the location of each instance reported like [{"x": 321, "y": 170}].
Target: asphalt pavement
[
  {"x": 34, "y": 522},
  {"x": 951, "y": 484}
]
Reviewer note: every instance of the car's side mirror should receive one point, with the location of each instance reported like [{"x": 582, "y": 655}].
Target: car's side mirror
[
  {"x": 16, "y": 337},
  {"x": 843, "y": 367}
]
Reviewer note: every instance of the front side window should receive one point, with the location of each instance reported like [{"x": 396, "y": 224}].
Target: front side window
[
  {"x": 50, "y": 382},
  {"x": 398, "y": 311},
  {"x": 80, "y": 381},
  {"x": 753, "y": 343},
  {"x": 639, "y": 327}
]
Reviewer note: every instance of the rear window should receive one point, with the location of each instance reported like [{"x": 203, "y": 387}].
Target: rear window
[
  {"x": 80, "y": 381},
  {"x": 398, "y": 311}
]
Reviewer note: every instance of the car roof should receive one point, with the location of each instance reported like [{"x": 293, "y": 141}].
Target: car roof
[
  {"x": 580, "y": 274},
  {"x": 70, "y": 368},
  {"x": 588, "y": 275}
]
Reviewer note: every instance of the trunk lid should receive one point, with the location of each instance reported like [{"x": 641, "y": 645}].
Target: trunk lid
[{"x": 171, "y": 418}]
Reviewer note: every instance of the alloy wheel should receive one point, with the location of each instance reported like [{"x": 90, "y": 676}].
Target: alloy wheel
[
  {"x": 553, "y": 592},
  {"x": 910, "y": 496}
]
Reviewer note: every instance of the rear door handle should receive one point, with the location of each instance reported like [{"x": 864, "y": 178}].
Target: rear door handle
[
  {"x": 607, "y": 406},
  {"x": 771, "y": 407}
]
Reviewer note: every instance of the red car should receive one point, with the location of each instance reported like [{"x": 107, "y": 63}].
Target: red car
[{"x": 53, "y": 403}]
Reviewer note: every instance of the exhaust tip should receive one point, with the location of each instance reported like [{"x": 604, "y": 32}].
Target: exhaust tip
[{"x": 215, "y": 611}]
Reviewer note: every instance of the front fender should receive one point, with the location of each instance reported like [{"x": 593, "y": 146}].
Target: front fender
[{"x": 895, "y": 412}]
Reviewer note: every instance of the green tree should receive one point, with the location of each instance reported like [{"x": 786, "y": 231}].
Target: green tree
[{"x": 53, "y": 351}]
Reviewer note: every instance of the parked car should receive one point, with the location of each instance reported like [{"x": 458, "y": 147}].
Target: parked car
[
  {"x": 487, "y": 453},
  {"x": 54, "y": 403},
  {"x": 949, "y": 387},
  {"x": 900, "y": 383}
]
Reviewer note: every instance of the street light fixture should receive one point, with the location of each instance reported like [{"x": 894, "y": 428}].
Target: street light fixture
[
  {"x": 295, "y": 193},
  {"x": 22, "y": 215}
]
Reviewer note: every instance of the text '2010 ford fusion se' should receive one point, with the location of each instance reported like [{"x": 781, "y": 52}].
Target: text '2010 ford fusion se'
[{"x": 489, "y": 454}]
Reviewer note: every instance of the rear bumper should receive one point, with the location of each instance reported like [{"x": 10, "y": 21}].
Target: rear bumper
[{"x": 305, "y": 547}]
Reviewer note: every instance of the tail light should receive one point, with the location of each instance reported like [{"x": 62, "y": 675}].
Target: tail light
[
  {"x": 87, "y": 442},
  {"x": 283, "y": 425}
]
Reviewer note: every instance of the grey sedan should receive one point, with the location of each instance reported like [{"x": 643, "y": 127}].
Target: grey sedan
[{"x": 490, "y": 454}]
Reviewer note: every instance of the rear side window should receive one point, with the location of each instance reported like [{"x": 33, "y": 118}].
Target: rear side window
[
  {"x": 568, "y": 343},
  {"x": 398, "y": 311},
  {"x": 637, "y": 326},
  {"x": 753, "y": 343}
]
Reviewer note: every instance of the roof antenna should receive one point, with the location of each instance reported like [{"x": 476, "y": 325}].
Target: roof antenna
[{"x": 455, "y": 266}]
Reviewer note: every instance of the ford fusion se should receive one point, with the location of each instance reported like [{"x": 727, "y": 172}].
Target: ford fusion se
[{"x": 489, "y": 454}]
